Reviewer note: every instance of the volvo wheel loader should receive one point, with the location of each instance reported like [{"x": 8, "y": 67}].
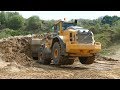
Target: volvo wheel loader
[{"x": 64, "y": 43}]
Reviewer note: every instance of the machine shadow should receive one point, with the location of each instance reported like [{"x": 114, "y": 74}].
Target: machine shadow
[
  {"x": 73, "y": 68},
  {"x": 62, "y": 67}
]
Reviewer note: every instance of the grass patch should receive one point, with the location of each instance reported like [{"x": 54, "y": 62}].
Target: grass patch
[
  {"x": 4, "y": 35},
  {"x": 105, "y": 52},
  {"x": 111, "y": 50}
]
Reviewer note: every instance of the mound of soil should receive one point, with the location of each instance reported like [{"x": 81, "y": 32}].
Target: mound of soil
[{"x": 16, "y": 50}]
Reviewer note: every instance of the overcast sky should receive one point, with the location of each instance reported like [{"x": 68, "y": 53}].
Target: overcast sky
[{"x": 48, "y": 15}]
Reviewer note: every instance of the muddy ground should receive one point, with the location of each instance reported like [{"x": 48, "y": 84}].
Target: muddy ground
[{"x": 16, "y": 63}]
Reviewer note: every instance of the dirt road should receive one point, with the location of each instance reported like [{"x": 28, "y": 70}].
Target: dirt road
[{"x": 16, "y": 63}]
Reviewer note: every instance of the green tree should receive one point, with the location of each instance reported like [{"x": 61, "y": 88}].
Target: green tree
[
  {"x": 115, "y": 18},
  {"x": 33, "y": 23},
  {"x": 110, "y": 19},
  {"x": 5, "y": 17},
  {"x": 16, "y": 22},
  {"x": 106, "y": 27},
  {"x": 116, "y": 29},
  {"x": 47, "y": 25},
  {"x": 3, "y": 20},
  {"x": 116, "y": 23},
  {"x": 96, "y": 28},
  {"x": 107, "y": 20}
]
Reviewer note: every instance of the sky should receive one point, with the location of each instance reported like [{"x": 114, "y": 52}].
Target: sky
[{"x": 48, "y": 15}]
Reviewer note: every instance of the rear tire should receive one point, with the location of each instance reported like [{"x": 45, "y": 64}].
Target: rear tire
[{"x": 87, "y": 60}]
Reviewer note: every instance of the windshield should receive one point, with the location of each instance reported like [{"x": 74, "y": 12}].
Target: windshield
[{"x": 66, "y": 25}]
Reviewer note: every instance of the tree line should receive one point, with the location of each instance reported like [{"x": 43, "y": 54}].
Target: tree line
[{"x": 15, "y": 21}]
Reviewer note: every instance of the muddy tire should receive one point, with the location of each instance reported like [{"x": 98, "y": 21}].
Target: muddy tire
[
  {"x": 70, "y": 61},
  {"x": 44, "y": 56},
  {"x": 87, "y": 60},
  {"x": 34, "y": 56},
  {"x": 56, "y": 54},
  {"x": 59, "y": 59}
]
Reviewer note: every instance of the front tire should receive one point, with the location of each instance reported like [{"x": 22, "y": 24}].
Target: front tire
[
  {"x": 56, "y": 54},
  {"x": 58, "y": 58}
]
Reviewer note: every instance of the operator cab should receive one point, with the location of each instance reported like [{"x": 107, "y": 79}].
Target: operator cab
[
  {"x": 66, "y": 25},
  {"x": 62, "y": 25},
  {"x": 84, "y": 35}
]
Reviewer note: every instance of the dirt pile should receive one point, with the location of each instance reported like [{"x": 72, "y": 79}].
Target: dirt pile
[{"x": 16, "y": 50}]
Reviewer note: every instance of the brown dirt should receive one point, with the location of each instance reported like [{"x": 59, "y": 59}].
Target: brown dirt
[
  {"x": 16, "y": 50},
  {"x": 16, "y": 63}
]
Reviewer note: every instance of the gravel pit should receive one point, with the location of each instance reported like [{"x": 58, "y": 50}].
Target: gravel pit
[{"x": 16, "y": 62}]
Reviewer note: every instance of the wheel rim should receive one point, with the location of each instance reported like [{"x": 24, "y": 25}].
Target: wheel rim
[{"x": 56, "y": 53}]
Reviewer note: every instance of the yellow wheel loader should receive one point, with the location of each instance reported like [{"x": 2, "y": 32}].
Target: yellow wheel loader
[{"x": 64, "y": 44}]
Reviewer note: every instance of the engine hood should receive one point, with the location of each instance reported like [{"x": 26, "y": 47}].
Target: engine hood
[{"x": 79, "y": 29}]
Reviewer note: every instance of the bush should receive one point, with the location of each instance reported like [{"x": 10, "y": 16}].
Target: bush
[
  {"x": 104, "y": 39},
  {"x": 4, "y": 35},
  {"x": 9, "y": 32}
]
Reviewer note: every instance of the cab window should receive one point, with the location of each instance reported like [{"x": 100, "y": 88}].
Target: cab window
[{"x": 66, "y": 25}]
